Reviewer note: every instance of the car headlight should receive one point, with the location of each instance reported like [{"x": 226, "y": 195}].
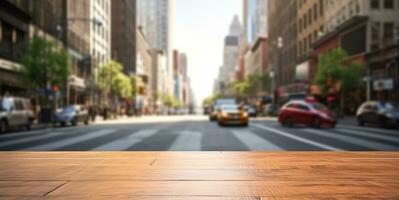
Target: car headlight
[{"x": 245, "y": 114}]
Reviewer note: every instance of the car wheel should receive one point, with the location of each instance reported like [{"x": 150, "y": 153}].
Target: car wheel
[
  {"x": 74, "y": 123},
  {"x": 3, "y": 126},
  {"x": 63, "y": 124},
  {"x": 287, "y": 122},
  {"x": 220, "y": 123},
  {"x": 245, "y": 125},
  {"x": 316, "y": 122},
  {"x": 87, "y": 121},
  {"x": 29, "y": 125},
  {"x": 360, "y": 121}
]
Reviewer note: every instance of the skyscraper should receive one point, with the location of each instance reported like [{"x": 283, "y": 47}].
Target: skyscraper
[
  {"x": 155, "y": 17},
  {"x": 124, "y": 34}
]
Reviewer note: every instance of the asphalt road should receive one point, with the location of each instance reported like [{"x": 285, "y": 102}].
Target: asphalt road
[{"x": 196, "y": 133}]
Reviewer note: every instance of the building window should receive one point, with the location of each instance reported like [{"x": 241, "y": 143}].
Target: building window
[
  {"x": 315, "y": 11},
  {"x": 375, "y": 35},
  {"x": 388, "y": 33},
  {"x": 321, "y": 9},
  {"x": 388, "y": 4},
  {"x": 375, "y": 4}
]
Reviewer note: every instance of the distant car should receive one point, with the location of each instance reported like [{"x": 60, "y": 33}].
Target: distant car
[
  {"x": 271, "y": 110},
  {"x": 72, "y": 114},
  {"x": 385, "y": 114},
  {"x": 251, "y": 110},
  {"x": 306, "y": 113},
  {"x": 15, "y": 112},
  {"x": 213, "y": 113},
  {"x": 232, "y": 115}
]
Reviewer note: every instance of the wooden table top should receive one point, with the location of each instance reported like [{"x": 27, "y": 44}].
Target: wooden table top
[{"x": 199, "y": 175}]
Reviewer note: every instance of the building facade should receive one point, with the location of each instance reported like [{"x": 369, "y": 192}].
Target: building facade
[
  {"x": 144, "y": 71},
  {"x": 123, "y": 37},
  {"x": 282, "y": 26}
]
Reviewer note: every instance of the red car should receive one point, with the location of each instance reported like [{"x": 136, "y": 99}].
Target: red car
[{"x": 306, "y": 113}]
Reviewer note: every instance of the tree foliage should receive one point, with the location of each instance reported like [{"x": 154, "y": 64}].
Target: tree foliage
[
  {"x": 43, "y": 64},
  {"x": 112, "y": 80},
  {"x": 335, "y": 71},
  {"x": 252, "y": 85}
]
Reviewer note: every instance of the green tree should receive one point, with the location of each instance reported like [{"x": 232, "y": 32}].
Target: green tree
[
  {"x": 252, "y": 85},
  {"x": 336, "y": 72},
  {"x": 44, "y": 65},
  {"x": 112, "y": 81}
]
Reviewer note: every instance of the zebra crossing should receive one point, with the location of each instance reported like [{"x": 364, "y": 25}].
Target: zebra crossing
[{"x": 258, "y": 137}]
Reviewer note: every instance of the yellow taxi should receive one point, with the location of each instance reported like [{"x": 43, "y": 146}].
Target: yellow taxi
[{"x": 232, "y": 115}]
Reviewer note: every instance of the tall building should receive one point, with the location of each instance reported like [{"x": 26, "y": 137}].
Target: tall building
[
  {"x": 235, "y": 27},
  {"x": 144, "y": 70},
  {"x": 282, "y": 26},
  {"x": 58, "y": 20},
  {"x": 155, "y": 17},
  {"x": 100, "y": 36},
  {"x": 369, "y": 32},
  {"x": 311, "y": 26},
  {"x": 123, "y": 37},
  {"x": 259, "y": 19}
]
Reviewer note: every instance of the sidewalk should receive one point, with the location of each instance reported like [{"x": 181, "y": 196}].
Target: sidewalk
[{"x": 199, "y": 175}]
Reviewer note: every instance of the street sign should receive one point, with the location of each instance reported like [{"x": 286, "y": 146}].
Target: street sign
[{"x": 383, "y": 84}]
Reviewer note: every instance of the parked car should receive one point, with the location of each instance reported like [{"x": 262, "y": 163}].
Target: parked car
[
  {"x": 385, "y": 114},
  {"x": 232, "y": 114},
  {"x": 271, "y": 110},
  {"x": 251, "y": 110},
  {"x": 15, "y": 112},
  {"x": 307, "y": 113},
  {"x": 72, "y": 114}
]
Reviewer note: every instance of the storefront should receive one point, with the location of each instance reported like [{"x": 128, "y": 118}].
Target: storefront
[{"x": 383, "y": 67}]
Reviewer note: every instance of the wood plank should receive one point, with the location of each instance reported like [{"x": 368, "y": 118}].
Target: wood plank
[
  {"x": 199, "y": 175},
  {"x": 312, "y": 188},
  {"x": 28, "y": 188}
]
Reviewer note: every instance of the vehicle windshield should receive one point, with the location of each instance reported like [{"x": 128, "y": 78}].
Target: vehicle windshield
[
  {"x": 231, "y": 108},
  {"x": 319, "y": 106},
  {"x": 389, "y": 106},
  {"x": 5, "y": 104},
  {"x": 69, "y": 109}
]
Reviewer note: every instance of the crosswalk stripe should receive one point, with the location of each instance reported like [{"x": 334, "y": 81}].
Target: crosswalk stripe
[
  {"x": 294, "y": 137},
  {"x": 255, "y": 142},
  {"x": 29, "y": 139},
  {"x": 63, "y": 143},
  {"x": 357, "y": 141},
  {"x": 126, "y": 142},
  {"x": 373, "y": 129},
  {"x": 370, "y": 135},
  {"x": 187, "y": 141}
]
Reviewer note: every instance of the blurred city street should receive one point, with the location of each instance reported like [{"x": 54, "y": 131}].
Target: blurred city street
[{"x": 196, "y": 133}]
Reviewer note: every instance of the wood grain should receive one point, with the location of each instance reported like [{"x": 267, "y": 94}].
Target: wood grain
[{"x": 199, "y": 175}]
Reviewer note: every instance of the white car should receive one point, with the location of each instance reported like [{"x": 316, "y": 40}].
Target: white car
[{"x": 15, "y": 112}]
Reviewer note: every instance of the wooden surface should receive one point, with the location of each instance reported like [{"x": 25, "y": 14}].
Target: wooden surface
[{"x": 199, "y": 175}]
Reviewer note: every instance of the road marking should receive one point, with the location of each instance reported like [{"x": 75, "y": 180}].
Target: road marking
[
  {"x": 126, "y": 142},
  {"x": 255, "y": 142},
  {"x": 187, "y": 141},
  {"x": 71, "y": 141},
  {"x": 29, "y": 139},
  {"x": 366, "y": 128},
  {"x": 314, "y": 143},
  {"x": 353, "y": 140},
  {"x": 371, "y": 135}
]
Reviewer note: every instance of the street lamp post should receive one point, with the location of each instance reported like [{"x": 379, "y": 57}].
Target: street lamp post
[{"x": 276, "y": 61}]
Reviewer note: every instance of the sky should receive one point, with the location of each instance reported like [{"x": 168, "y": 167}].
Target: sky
[{"x": 199, "y": 30}]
